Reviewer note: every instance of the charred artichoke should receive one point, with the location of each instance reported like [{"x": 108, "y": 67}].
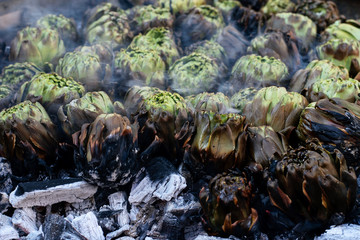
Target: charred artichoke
[
  {"x": 103, "y": 51},
  {"x": 180, "y": 6},
  {"x": 277, "y": 6},
  {"x": 214, "y": 102},
  {"x": 242, "y": 97},
  {"x": 248, "y": 21}
]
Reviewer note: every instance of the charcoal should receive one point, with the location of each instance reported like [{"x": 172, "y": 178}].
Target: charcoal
[
  {"x": 25, "y": 219},
  {"x": 118, "y": 202},
  {"x": 51, "y": 191},
  {"x": 5, "y": 173},
  {"x": 57, "y": 228},
  {"x": 36, "y": 235},
  {"x": 7, "y": 230},
  {"x": 117, "y": 233},
  {"x": 88, "y": 226},
  {"x": 4, "y": 202}
]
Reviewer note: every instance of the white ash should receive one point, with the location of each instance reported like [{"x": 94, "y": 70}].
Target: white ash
[
  {"x": 7, "y": 230},
  {"x": 25, "y": 219},
  {"x": 80, "y": 208},
  {"x": 125, "y": 238},
  {"x": 144, "y": 190},
  {"x": 73, "y": 192},
  {"x": 36, "y": 235},
  {"x": 343, "y": 232},
  {"x": 4, "y": 202},
  {"x": 118, "y": 201},
  {"x": 207, "y": 237},
  {"x": 5, "y": 173},
  {"x": 87, "y": 226},
  {"x": 117, "y": 233}
]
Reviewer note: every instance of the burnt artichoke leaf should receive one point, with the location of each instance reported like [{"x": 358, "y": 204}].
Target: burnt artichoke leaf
[{"x": 247, "y": 21}]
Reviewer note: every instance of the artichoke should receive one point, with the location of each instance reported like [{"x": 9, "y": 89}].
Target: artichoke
[
  {"x": 348, "y": 89},
  {"x": 215, "y": 142},
  {"x": 277, "y": 6},
  {"x": 84, "y": 110},
  {"x": 312, "y": 183},
  {"x": 226, "y": 6},
  {"x": 279, "y": 45},
  {"x": 106, "y": 155},
  {"x": 108, "y": 24},
  {"x": 350, "y": 29},
  {"x": 233, "y": 42},
  {"x": 275, "y": 107},
  {"x": 314, "y": 72},
  {"x": 323, "y": 13},
  {"x": 248, "y": 21},
  {"x": 226, "y": 203},
  {"x": 303, "y": 27},
  {"x": 194, "y": 74},
  {"x": 103, "y": 51},
  {"x": 256, "y": 71},
  {"x": 342, "y": 52},
  {"x": 180, "y": 6},
  {"x": 85, "y": 68},
  {"x": 37, "y": 45},
  {"x": 66, "y": 27},
  {"x": 6, "y": 96},
  {"x": 200, "y": 23},
  {"x": 141, "y": 66},
  {"x": 211, "y": 49},
  {"x": 27, "y": 134},
  {"x": 335, "y": 123},
  {"x": 160, "y": 40},
  {"x": 214, "y": 102},
  {"x": 51, "y": 90},
  {"x": 147, "y": 17},
  {"x": 242, "y": 97}
]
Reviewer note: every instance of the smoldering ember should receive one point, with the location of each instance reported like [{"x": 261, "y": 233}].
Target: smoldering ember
[{"x": 179, "y": 119}]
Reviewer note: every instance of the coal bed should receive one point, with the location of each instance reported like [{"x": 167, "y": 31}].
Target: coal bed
[{"x": 179, "y": 119}]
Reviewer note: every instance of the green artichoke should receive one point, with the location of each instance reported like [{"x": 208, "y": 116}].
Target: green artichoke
[
  {"x": 214, "y": 143},
  {"x": 256, "y": 71},
  {"x": 341, "y": 52},
  {"x": 180, "y": 6},
  {"x": 147, "y": 17},
  {"x": 277, "y": 6},
  {"x": 348, "y": 89},
  {"x": 37, "y": 45},
  {"x": 226, "y": 203},
  {"x": 84, "y": 110},
  {"x": 6, "y": 96},
  {"x": 160, "y": 40},
  {"x": 214, "y": 102},
  {"x": 103, "y": 51},
  {"x": 106, "y": 155},
  {"x": 200, "y": 23},
  {"x": 303, "y": 27},
  {"x": 275, "y": 107},
  {"x": 141, "y": 66},
  {"x": 323, "y": 13},
  {"x": 26, "y": 134},
  {"x": 211, "y": 49},
  {"x": 66, "y": 27},
  {"x": 108, "y": 24},
  {"x": 242, "y": 97},
  {"x": 335, "y": 123},
  {"x": 226, "y": 5},
  {"x": 51, "y": 90},
  {"x": 312, "y": 183},
  {"x": 278, "y": 45},
  {"x": 350, "y": 29},
  {"x": 314, "y": 72},
  {"x": 194, "y": 74},
  {"x": 14, "y": 75},
  {"x": 85, "y": 68}
]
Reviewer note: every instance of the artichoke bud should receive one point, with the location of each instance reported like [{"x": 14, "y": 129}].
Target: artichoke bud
[
  {"x": 323, "y": 13},
  {"x": 180, "y": 6},
  {"x": 215, "y": 141},
  {"x": 313, "y": 183},
  {"x": 103, "y": 51},
  {"x": 27, "y": 133},
  {"x": 106, "y": 151},
  {"x": 51, "y": 89},
  {"x": 6, "y": 96},
  {"x": 242, "y": 97},
  {"x": 341, "y": 52},
  {"x": 84, "y": 110},
  {"x": 226, "y": 204},
  {"x": 256, "y": 71},
  {"x": 37, "y": 45},
  {"x": 16, "y": 74},
  {"x": 275, "y": 107},
  {"x": 334, "y": 88},
  {"x": 160, "y": 40},
  {"x": 147, "y": 17},
  {"x": 140, "y": 65},
  {"x": 65, "y": 26},
  {"x": 194, "y": 74},
  {"x": 350, "y": 29},
  {"x": 277, "y": 6},
  {"x": 211, "y": 49},
  {"x": 108, "y": 24},
  {"x": 200, "y": 23},
  {"x": 85, "y": 68},
  {"x": 226, "y": 5},
  {"x": 213, "y": 102},
  {"x": 248, "y": 21},
  {"x": 314, "y": 72},
  {"x": 303, "y": 27}
]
